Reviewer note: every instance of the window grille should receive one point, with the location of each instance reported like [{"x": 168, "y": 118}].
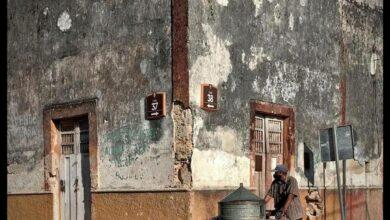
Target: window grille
[{"x": 268, "y": 133}]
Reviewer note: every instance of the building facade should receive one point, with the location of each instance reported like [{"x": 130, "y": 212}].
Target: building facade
[{"x": 79, "y": 73}]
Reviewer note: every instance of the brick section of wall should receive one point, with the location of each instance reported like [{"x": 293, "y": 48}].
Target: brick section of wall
[
  {"x": 37, "y": 207},
  {"x": 141, "y": 205},
  {"x": 182, "y": 119}
]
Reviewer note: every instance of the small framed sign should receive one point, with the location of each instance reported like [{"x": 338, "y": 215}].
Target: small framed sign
[
  {"x": 209, "y": 97},
  {"x": 155, "y": 106}
]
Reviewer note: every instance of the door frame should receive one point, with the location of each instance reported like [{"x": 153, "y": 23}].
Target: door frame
[
  {"x": 52, "y": 147},
  {"x": 287, "y": 114}
]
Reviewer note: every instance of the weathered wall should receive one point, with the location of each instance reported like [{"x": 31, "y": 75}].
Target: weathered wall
[
  {"x": 363, "y": 41},
  {"x": 296, "y": 53},
  {"x": 152, "y": 205},
  {"x": 204, "y": 204},
  {"x": 361, "y": 204},
  {"x": 116, "y": 51},
  {"x": 31, "y": 206}
]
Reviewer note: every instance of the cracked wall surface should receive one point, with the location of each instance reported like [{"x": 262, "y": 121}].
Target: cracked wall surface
[
  {"x": 182, "y": 120},
  {"x": 295, "y": 53},
  {"x": 115, "y": 51},
  {"x": 299, "y": 53}
]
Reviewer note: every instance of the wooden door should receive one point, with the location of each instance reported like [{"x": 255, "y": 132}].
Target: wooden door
[
  {"x": 74, "y": 170},
  {"x": 267, "y": 144}
]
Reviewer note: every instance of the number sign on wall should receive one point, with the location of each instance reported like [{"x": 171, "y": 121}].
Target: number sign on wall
[
  {"x": 209, "y": 97},
  {"x": 155, "y": 106}
]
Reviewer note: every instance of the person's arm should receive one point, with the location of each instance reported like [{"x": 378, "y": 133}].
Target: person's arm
[
  {"x": 292, "y": 191},
  {"x": 267, "y": 198},
  {"x": 287, "y": 203},
  {"x": 269, "y": 194}
]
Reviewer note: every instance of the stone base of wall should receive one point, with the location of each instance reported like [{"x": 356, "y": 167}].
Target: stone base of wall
[
  {"x": 196, "y": 205},
  {"x": 30, "y": 206},
  {"x": 142, "y": 205},
  {"x": 204, "y": 203},
  {"x": 361, "y": 204}
]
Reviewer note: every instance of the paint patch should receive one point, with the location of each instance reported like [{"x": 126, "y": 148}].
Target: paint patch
[
  {"x": 198, "y": 124},
  {"x": 22, "y": 180},
  {"x": 291, "y": 22},
  {"x": 300, "y": 157},
  {"x": 258, "y": 4},
  {"x": 213, "y": 68},
  {"x": 128, "y": 165},
  {"x": 300, "y": 19},
  {"x": 223, "y": 2},
  {"x": 243, "y": 57},
  {"x": 143, "y": 66},
  {"x": 278, "y": 14},
  {"x": 373, "y": 63},
  {"x": 255, "y": 86},
  {"x": 46, "y": 11},
  {"x": 257, "y": 57},
  {"x": 64, "y": 22},
  {"x": 233, "y": 86},
  {"x": 223, "y": 169},
  {"x": 283, "y": 84},
  {"x": 223, "y": 138}
]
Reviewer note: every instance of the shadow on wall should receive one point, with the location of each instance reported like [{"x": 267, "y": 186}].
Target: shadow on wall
[
  {"x": 85, "y": 168},
  {"x": 308, "y": 158}
]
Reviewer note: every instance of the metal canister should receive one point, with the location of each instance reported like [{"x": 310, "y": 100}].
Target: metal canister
[{"x": 241, "y": 205}]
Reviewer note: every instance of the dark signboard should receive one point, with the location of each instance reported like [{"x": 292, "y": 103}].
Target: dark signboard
[
  {"x": 155, "y": 106},
  {"x": 345, "y": 143},
  {"x": 209, "y": 97}
]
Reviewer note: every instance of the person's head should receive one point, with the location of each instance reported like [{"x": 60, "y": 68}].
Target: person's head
[{"x": 280, "y": 172}]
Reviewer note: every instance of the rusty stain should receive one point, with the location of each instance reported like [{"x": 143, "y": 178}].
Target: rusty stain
[{"x": 180, "y": 76}]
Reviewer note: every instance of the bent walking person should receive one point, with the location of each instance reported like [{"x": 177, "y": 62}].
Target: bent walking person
[{"x": 284, "y": 190}]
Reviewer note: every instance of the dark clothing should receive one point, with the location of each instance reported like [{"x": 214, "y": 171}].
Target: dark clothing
[{"x": 280, "y": 190}]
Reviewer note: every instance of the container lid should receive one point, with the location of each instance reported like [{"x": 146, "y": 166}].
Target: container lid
[{"x": 241, "y": 194}]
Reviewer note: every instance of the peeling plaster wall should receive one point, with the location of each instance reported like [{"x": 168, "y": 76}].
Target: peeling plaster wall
[
  {"x": 292, "y": 53},
  {"x": 289, "y": 52},
  {"x": 116, "y": 51}
]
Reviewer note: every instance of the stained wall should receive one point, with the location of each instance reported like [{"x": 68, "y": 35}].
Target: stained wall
[
  {"x": 315, "y": 56},
  {"x": 116, "y": 52}
]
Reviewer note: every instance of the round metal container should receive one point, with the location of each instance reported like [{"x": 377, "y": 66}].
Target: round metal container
[{"x": 241, "y": 205}]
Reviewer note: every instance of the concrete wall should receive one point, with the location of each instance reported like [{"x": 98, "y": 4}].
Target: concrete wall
[
  {"x": 117, "y": 52},
  {"x": 30, "y": 206},
  {"x": 299, "y": 53},
  {"x": 323, "y": 58}
]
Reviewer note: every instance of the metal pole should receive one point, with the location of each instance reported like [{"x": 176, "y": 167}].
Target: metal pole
[
  {"x": 336, "y": 151},
  {"x": 344, "y": 181}
]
